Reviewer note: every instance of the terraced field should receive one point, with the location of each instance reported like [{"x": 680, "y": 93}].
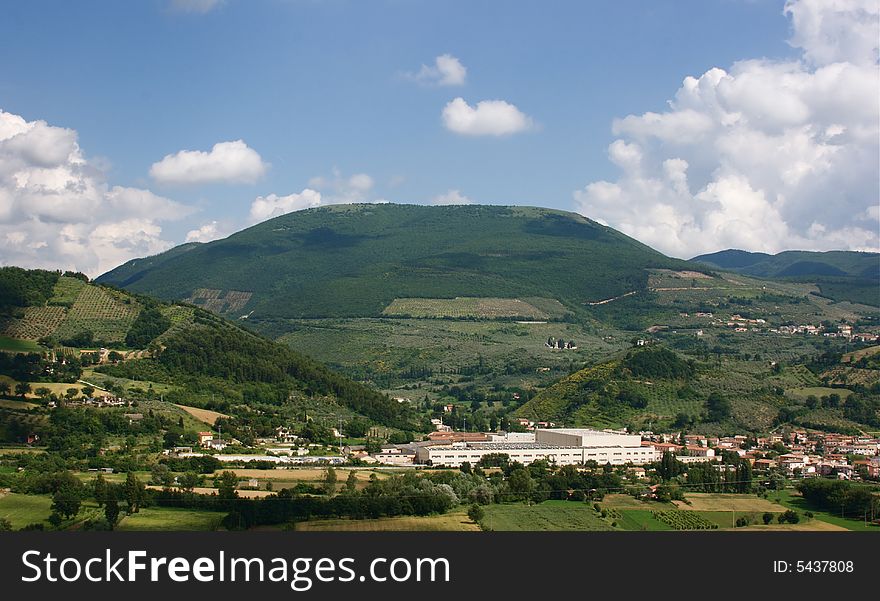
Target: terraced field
[
  {"x": 97, "y": 310},
  {"x": 36, "y": 323},
  {"x": 211, "y": 299},
  {"x": 472, "y": 307}
]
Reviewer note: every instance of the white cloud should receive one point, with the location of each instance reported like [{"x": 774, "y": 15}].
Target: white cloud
[
  {"x": 339, "y": 189},
  {"x": 768, "y": 155},
  {"x": 195, "y": 6},
  {"x": 487, "y": 118},
  {"x": 446, "y": 71},
  {"x": 266, "y": 207},
  {"x": 206, "y": 233},
  {"x": 452, "y": 197},
  {"x": 227, "y": 162},
  {"x": 58, "y": 212}
]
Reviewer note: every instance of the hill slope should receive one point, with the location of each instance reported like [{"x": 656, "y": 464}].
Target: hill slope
[
  {"x": 185, "y": 347},
  {"x": 840, "y": 275},
  {"x": 355, "y": 260}
]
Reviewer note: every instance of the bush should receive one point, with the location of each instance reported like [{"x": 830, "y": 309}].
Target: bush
[
  {"x": 476, "y": 513},
  {"x": 767, "y": 517}
]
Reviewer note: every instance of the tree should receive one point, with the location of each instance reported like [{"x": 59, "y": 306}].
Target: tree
[
  {"x": 66, "y": 501},
  {"x": 767, "y": 517},
  {"x": 71, "y": 393},
  {"x": 100, "y": 488},
  {"x": 330, "y": 481},
  {"x": 717, "y": 408},
  {"x": 88, "y": 391},
  {"x": 476, "y": 513},
  {"x": 111, "y": 512},
  {"x": 4, "y": 388},
  {"x": 189, "y": 481},
  {"x": 22, "y": 389},
  {"x": 134, "y": 492},
  {"x": 521, "y": 483},
  {"x": 44, "y": 393},
  {"x": 227, "y": 482},
  {"x": 357, "y": 428},
  {"x": 351, "y": 483},
  {"x": 5, "y": 525}
]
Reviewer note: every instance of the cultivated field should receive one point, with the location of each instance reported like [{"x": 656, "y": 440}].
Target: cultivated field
[
  {"x": 482, "y": 308},
  {"x": 103, "y": 313},
  {"x": 203, "y": 415},
  {"x": 36, "y": 323},
  {"x": 549, "y": 515},
  {"x": 727, "y": 502},
  {"x": 22, "y": 510},
  {"x": 452, "y": 521},
  {"x": 171, "y": 518}
]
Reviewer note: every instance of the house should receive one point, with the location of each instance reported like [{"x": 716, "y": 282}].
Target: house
[
  {"x": 216, "y": 444},
  {"x": 205, "y": 437}
]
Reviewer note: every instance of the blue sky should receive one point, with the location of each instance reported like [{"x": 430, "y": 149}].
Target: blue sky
[{"x": 324, "y": 87}]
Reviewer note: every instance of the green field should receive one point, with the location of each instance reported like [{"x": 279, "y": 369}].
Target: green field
[
  {"x": 170, "y": 518},
  {"x": 482, "y": 308},
  {"x": 549, "y": 515},
  {"x": 15, "y": 345},
  {"x": 452, "y": 521},
  {"x": 793, "y": 500},
  {"x": 22, "y": 510}
]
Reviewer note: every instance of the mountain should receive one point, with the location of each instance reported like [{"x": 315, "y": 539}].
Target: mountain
[
  {"x": 840, "y": 275},
  {"x": 355, "y": 260},
  {"x": 190, "y": 353}
]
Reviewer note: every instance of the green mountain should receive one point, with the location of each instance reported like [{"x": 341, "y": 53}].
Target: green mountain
[
  {"x": 840, "y": 275},
  {"x": 193, "y": 355},
  {"x": 355, "y": 260}
]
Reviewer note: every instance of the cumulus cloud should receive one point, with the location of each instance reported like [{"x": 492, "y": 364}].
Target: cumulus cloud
[
  {"x": 487, "y": 118},
  {"x": 227, "y": 162},
  {"x": 446, "y": 71},
  {"x": 58, "y": 212},
  {"x": 341, "y": 189},
  {"x": 266, "y": 207},
  {"x": 766, "y": 155},
  {"x": 206, "y": 233},
  {"x": 200, "y": 7},
  {"x": 452, "y": 197}
]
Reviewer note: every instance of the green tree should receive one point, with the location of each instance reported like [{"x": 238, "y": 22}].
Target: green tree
[
  {"x": 134, "y": 492},
  {"x": 100, "y": 490},
  {"x": 88, "y": 391},
  {"x": 226, "y": 483},
  {"x": 330, "y": 481},
  {"x": 351, "y": 483},
  {"x": 521, "y": 483},
  {"x": 111, "y": 511},
  {"x": 67, "y": 500},
  {"x": 22, "y": 389},
  {"x": 717, "y": 408},
  {"x": 476, "y": 513},
  {"x": 4, "y": 388},
  {"x": 71, "y": 393},
  {"x": 767, "y": 517}
]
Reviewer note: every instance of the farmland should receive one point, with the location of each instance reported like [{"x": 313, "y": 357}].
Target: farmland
[
  {"x": 480, "y": 308},
  {"x": 549, "y": 515},
  {"x": 15, "y": 345},
  {"x": 22, "y": 510},
  {"x": 203, "y": 415},
  {"x": 108, "y": 315},
  {"x": 169, "y": 518},
  {"x": 452, "y": 521}
]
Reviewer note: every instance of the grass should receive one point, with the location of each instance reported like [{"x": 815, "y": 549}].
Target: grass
[
  {"x": 549, "y": 515},
  {"x": 483, "y": 308},
  {"x": 728, "y": 502},
  {"x": 641, "y": 519},
  {"x": 792, "y": 499},
  {"x": 452, "y": 521},
  {"x": 22, "y": 510},
  {"x": 171, "y": 518},
  {"x": 15, "y": 345}
]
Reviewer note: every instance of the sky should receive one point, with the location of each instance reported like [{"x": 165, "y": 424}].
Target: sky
[{"x": 692, "y": 125}]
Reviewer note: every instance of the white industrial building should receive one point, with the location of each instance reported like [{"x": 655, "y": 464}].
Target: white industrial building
[{"x": 562, "y": 446}]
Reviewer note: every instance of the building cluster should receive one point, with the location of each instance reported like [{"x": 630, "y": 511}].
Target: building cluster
[{"x": 807, "y": 453}]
